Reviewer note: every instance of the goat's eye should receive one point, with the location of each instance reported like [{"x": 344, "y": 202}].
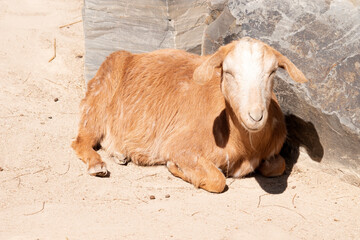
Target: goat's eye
[{"x": 228, "y": 74}]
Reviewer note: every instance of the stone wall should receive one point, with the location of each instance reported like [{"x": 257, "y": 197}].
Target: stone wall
[{"x": 322, "y": 37}]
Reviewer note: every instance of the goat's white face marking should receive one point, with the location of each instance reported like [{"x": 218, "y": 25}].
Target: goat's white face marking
[{"x": 248, "y": 72}]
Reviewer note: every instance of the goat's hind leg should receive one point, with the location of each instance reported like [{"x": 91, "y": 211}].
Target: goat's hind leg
[
  {"x": 84, "y": 148},
  {"x": 89, "y": 136},
  {"x": 201, "y": 173},
  {"x": 95, "y": 112}
]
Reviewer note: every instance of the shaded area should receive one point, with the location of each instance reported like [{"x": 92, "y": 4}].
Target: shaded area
[
  {"x": 300, "y": 134},
  {"x": 221, "y": 130}
]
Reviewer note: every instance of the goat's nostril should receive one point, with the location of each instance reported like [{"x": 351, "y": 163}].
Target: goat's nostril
[{"x": 256, "y": 115}]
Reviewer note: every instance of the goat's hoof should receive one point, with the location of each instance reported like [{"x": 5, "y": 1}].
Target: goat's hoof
[
  {"x": 98, "y": 170},
  {"x": 120, "y": 159}
]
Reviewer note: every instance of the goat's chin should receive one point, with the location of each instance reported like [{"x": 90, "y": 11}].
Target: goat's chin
[{"x": 252, "y": 129}]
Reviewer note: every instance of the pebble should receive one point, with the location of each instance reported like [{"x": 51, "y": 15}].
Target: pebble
[
  {"x": 167, "y": 195},
  {"x": 1, "y": 169},
  {"x": 152, "y": 197},
  {"x": 56, "y": 99}
]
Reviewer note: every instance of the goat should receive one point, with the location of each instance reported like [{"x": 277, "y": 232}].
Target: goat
[{"x": 205, "y": 117}]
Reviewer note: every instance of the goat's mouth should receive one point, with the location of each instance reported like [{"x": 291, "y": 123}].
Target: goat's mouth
[{"x": 253, "y": 126}]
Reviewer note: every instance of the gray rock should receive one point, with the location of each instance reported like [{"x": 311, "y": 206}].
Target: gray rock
[{"x": 322, "y": 37}]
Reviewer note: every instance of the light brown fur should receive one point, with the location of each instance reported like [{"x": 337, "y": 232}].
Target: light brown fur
[{"x": 167, "y": 107}]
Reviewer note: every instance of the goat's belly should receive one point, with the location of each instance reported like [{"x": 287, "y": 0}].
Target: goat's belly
[{"x": 127, "y": 145}]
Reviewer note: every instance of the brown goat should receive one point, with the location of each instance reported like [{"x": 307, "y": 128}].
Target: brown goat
[{"x": 205, "y": 117}]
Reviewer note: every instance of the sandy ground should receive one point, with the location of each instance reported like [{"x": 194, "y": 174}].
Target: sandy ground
[{"x": 45, "y": 192}]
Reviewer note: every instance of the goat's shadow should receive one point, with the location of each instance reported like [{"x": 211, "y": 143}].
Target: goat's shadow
[{"x": 300, "y": 134}]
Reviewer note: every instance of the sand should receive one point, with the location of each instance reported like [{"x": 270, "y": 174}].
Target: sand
[{"x": 45, "y": 192}]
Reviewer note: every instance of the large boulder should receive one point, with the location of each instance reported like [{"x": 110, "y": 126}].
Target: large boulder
[{"x": 322, "y": 37}]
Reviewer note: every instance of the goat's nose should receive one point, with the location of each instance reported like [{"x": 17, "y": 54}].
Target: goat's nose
[{"x": 256, "y": 115}]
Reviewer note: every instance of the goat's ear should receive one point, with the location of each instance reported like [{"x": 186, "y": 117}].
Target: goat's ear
[
  {"x": 293, "y": 71},
  {"x": 205, "y": 71}
]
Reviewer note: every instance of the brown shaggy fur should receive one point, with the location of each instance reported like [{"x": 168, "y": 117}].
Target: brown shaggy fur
[{"x": 151, "y": 108}]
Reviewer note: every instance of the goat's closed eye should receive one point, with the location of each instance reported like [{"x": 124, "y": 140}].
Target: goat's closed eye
[{"x": 228, "y": 74}]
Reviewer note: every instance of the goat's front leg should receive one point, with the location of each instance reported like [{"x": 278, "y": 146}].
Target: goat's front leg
[
  {"x": 273, "y": 166},
  {"x": 200, "y": 172}
]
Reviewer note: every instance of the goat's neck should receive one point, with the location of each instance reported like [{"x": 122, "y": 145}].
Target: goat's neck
[
  {"x": 239, "y": 135},
  {"x": 262, "y": 144}
]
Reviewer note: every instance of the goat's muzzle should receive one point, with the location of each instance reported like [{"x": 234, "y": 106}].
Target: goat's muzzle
[{"x": 254, "y": 120}]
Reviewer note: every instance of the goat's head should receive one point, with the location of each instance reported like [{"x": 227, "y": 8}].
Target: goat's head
[{"x": 248, "y": 69}]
